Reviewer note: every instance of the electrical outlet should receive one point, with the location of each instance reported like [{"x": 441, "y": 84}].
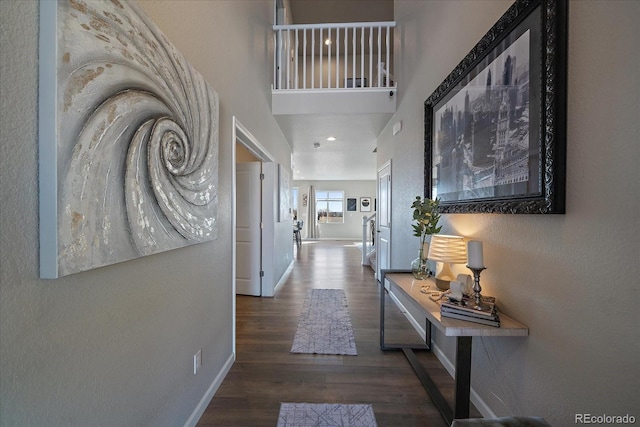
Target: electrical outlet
[{"x": 197, "y": 361}]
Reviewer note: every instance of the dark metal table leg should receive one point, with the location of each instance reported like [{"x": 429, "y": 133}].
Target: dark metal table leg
[
  {"x": 431, "y": 388},
  {"x": 463, "y": 378},
  {"x": 463, "y": 365},
  {"x": 383, "y": 345}
]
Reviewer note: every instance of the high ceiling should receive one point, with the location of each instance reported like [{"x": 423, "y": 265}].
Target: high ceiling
[{"x": 351, "y": 156}]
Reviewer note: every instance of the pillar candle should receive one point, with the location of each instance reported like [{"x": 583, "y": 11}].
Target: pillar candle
[{"x": 474, "y": 249}]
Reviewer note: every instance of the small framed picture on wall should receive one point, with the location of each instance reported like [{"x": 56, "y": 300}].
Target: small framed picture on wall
[
  {"x": 365, "y": 204},
  {"x": 352, "y": 205}
]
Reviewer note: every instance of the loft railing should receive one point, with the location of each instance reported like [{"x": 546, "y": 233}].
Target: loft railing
[{"x": 333, "y": 56}]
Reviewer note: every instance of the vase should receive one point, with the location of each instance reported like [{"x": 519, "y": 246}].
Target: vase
[{"x": 419, "y": 267}]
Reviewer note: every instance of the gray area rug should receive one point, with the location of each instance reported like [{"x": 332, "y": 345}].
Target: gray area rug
[
  {"x": 325, "y": 324},
  {"x": 325, "y": 415}
]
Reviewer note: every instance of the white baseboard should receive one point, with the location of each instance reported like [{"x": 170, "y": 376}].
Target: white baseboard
[
  {"x": 211, "y": 391},
  {"x": 283, "y": 279},
  {"x": 480, "y": 404}
]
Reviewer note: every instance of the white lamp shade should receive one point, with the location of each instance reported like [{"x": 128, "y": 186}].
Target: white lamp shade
[{"x": 445, "y": 248}]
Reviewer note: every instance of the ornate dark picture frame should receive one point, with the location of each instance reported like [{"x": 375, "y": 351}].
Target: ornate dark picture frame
[{"x": 495, "y": 129}]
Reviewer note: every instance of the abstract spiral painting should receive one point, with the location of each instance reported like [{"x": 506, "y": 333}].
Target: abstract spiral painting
[{"x": 128, "y": 139}]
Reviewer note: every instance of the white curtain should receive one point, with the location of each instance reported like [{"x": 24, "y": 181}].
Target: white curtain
[{"x": 312, "y": 215}]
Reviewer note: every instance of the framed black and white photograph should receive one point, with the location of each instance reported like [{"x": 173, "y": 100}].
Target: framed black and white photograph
[
  {"x": 495, "y": 128},
  {"x": 365, "y": 204},
  {"x": 352, "y": 204}
]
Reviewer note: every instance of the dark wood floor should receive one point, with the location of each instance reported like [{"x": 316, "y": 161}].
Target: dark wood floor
[{"x": 266, "y": 373}]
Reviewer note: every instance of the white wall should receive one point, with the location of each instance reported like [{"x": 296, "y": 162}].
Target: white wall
[
  {"x": 114, "y": 346},
  {"x": 573, "y": 278},
  {"x": 352, "y": 226}
]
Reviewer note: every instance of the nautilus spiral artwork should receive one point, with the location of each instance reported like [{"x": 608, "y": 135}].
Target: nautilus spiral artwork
[{"x": 136, "y": 154}]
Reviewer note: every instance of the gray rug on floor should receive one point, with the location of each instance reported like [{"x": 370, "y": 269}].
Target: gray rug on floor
[
  {"x": 325, "y": 324},
  {"x": 325, "y": 415}
]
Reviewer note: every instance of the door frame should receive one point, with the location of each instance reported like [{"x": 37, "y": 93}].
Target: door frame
[
  {"x": 253, "y": 245},
  {"x": 387, "y": 164},
  {"x": 240, "y": 134}
]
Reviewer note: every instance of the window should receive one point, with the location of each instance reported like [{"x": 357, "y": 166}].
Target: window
[{"x": 330, "y": 207}]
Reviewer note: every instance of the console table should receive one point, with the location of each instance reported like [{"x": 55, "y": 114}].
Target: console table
[{"x": 403, "y": 282}]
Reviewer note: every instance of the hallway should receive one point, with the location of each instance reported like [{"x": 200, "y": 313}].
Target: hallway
[{"x": 266, "y": 373}]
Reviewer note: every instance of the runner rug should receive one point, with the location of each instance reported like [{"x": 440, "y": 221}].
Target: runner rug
[
  {"x": 325, "y": 415},
  {"x": 325, "y": 324}
]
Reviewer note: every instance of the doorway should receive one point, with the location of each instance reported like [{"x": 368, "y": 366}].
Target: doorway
[
  {"x": 253, "y": 219},
  {"x": 248, "y": 223}
]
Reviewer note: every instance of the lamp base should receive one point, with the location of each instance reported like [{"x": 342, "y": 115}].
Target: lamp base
[
  {"x": 444, "y": 275},
  {"x": 443, "y": 284}
]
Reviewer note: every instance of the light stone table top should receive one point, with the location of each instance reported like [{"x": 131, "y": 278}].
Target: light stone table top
[{"x": 410, "y": 286}]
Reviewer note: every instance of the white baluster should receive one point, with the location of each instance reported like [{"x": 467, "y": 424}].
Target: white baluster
[
  {"x": 361, "y": 57},
  {"x": 313, "y": 59},
  {"x": 337, "y": 58},
  {"x": 387, "y": 78},
  {"x": 370, "y": 56},
  {"x": 296, "y": 64},
  {"x": 329, "y": 58},
  {"x": 346, "y": 62},
  {"x": 321, "y": 60},
  {"x": 353, "y": 61},
  {"x": 379, "y": 55}
]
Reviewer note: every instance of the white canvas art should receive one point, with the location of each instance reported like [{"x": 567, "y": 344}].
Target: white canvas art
[{"x": 128, "y": 139}]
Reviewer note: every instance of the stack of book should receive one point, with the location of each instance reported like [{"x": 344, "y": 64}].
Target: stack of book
[{"x": 464, "y": 310}]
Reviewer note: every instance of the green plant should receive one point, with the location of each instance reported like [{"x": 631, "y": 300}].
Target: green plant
[{"x": 426, "y": 217}]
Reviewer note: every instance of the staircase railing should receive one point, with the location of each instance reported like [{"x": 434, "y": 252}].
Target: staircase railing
[
  {"x": 368, "y": 231},
  {"x": 333, "y": 56}
]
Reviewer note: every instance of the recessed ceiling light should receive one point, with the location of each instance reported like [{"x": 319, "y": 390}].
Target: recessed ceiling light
[
  {"x": 327, "y": 42},
  {"x": 331, "y": 138},
  {"x": 316, "y": 145}
]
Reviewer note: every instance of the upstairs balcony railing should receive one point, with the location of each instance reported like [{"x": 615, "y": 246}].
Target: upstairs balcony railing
[{"x": 333, "y": 56}]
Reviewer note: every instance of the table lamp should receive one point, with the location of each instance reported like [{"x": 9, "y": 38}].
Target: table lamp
[{"x": 446, "y": 250}]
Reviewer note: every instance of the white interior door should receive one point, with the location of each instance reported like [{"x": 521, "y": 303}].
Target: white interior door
[
  {"x": 248, "y": 229},
  {"x": 383, "y": 251}
]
